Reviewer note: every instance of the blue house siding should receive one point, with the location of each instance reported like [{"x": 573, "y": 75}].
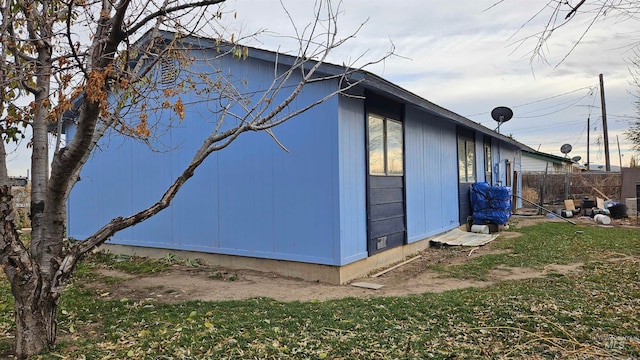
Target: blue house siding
[
  {"x": 251, "y": 199},
  {"x": 88, "y": 205},
  {"x": 254, "y": 199},
  {"x": 194, "y": 213},
  {"x": 352, "y": 182},
  {"x": 431, "y": 175}
]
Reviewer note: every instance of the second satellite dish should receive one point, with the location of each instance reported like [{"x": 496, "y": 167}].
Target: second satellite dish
[{"x": 566, "y": 148}]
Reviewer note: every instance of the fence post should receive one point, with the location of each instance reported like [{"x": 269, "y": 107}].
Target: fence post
[
  {"x": 567, "y": 186},
  {"x": 542, "y": 183},
  {"x": 514, "y": 201}
]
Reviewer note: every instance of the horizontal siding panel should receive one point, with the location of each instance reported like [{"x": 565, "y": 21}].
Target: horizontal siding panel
[
  {"x": 385, "y": 196},
  {"x": 386, "y": 211},
  {"x": 386, "y": 227},
  {"x": 378, "y": 182},
  {"x": 465, "y": 202},
  {"x": 396, "y": 239},
  {"x": 393, "y": 240}
]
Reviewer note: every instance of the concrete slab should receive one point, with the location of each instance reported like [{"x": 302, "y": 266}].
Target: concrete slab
[
  {"x": 367, "y": 285},
  {"x": 457, "y": 237}
]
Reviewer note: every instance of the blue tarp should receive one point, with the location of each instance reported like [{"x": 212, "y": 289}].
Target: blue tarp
[{"x": 490, "y": 204}]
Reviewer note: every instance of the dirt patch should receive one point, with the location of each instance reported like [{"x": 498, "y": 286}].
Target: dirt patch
[
  {"x": 213, "y": 284},
  {"x": 503, "y": 273},
  {"x": 528, "y": 218},
  {"x": 183, "y": 283}
]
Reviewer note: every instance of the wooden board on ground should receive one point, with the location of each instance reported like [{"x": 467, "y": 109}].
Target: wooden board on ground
[
  {"x": 601, "y": 193},
  {"x": 569, "y": 205},
  {"x": 600, "y": 203}
]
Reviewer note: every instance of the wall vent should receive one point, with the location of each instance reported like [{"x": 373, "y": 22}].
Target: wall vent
[
  {"x": 168, "y": 71},
  {"x": 381, "y": 242}
]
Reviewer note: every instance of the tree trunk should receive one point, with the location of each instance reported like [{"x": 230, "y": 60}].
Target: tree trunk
[
  {"x": 36, "y": 300},
  {"x": 35, "y": 321}
]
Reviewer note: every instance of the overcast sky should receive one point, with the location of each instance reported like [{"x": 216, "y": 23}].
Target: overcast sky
[{"x": 466, "y": 56}]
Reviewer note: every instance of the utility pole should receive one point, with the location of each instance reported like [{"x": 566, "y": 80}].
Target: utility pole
[
  {"x": 604, "y": 125},
  {"x": 588, "y": 144},
  {"x": 619, "y": 153}
]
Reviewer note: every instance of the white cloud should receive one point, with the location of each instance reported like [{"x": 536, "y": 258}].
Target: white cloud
[{"x": 466, "y": 59}]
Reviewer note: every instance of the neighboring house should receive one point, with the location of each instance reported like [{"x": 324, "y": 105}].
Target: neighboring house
[
  {"x": 536, "y": 161},
  {"x": 602, "y": 168},
  {"x": 21, "y": 192},
  {"x": 331, "y": 209}
]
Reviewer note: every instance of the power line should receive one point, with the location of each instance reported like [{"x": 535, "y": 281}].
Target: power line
[
  {"x": 590, "y": 88},
  {"x": 553, "y": 112}
]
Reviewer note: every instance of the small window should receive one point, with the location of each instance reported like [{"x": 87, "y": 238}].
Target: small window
[
  {"x": 386, "y": 142},
  {"x": 488, "y": 165},
  {"x": 394, "y": 148},
  {"x": 466, "y": 160},
  {"x": 376, "y": 145}
]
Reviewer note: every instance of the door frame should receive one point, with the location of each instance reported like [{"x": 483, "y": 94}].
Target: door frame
[{"x": 387, "y": 109}]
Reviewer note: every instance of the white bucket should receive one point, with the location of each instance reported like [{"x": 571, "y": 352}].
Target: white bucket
[
  {"x": 602, "y": 219},
  {"x": 480, "y": 229}
]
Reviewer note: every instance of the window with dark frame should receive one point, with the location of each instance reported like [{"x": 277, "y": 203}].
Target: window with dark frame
[
  {"x": 466, "y": 160},
  {"x": 386, "y": 154},
  {"x": 488, "y": 165}
]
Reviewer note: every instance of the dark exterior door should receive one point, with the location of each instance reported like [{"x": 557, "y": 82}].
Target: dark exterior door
[{"x": 386, "y": 219}]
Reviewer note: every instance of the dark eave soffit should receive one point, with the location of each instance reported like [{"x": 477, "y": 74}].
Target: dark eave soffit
[{"x": 375, "y": 82}]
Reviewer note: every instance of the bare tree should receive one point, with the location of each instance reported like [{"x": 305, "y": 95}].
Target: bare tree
[
  {"x": 633, "y": 133},
  {"x": 99, "y": 60},
  {"x": 556, "y": 15}
]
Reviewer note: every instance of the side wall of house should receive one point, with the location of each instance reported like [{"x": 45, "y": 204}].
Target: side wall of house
[
  {"x": 251, "y": 199},
  {"x": 430, "y": 170},
  {"x": 431, "y": 175},
  {"x": 532, "y": 164}
]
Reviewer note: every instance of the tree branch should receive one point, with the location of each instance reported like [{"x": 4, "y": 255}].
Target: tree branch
[
  {"x": 574, "y": 9},
  {"x": 134, "y": 28}
]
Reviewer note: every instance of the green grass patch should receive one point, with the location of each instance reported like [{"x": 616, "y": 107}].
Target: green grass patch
[
  {"x": 7, "y": 327},
  {"x": 128, "y": 264},
  {"x": 594, "y": 313},
  {"x": 550, "y": 243},
  {"x": 136, "y": 264}
]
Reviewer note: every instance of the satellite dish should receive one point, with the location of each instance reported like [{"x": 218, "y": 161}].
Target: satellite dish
[
  {"x": 501, "y": 114},
  {"x": 576, "y": 158},
  {"x": 566, "y": 148}
]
